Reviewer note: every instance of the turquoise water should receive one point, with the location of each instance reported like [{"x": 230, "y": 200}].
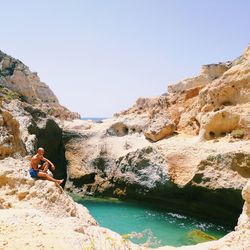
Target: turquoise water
[{"x": 148, "y": 225}]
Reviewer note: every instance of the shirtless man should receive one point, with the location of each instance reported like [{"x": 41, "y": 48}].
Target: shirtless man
[{"x": 40, "y": 165}]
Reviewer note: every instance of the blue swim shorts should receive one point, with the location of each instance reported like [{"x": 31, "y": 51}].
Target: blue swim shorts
[{"x": 33, "y": 173}]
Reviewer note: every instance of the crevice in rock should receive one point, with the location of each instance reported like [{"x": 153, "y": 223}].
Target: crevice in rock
[
  {"x": 49, "y": 136},
  {"x": 86, "y": 179},
  {"x": 69, "y": 135}
]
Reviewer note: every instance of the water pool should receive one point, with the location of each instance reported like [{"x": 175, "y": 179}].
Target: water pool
[{"x": 145, "y": 224}]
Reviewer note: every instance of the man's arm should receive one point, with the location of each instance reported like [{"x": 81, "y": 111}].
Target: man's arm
[{"x": 51, "y": 164}]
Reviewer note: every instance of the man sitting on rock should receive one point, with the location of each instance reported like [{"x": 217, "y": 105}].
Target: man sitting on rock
[{"x": 40, "y": 165}]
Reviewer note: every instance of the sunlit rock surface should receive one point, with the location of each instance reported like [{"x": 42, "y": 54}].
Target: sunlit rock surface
[
  {"x": 203, "y": 156},
  {"x": 37, "y": 214},
  {"x": 202, "y": 160},
  {"x": 16, "y": 76}
]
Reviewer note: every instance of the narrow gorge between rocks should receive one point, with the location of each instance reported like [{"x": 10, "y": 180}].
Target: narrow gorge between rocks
[{"x": 176, "y": 166}]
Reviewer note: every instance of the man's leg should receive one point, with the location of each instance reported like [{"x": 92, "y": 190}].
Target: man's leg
[
  {"x": 48, "y": 177},
  {"x": 45, "y": 167}
]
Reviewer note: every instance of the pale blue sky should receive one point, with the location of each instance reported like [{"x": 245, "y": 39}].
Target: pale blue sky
[{"x": 100, "y": 56}]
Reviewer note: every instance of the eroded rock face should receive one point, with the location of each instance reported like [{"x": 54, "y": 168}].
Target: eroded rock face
[
  {"x": 148, "y": 106},
  {"x": 35, "y": 207},
  {"x": 230, "y": 93},
  {"x": 219, "y": 171},
  {"x": 178, "y": 170},
  {"x": 49, "y": 137},
  {"x": 244, "y": 220},
  {"x": 142, "y": 168},
  {"x": 118, "y": 129},
  {"x": 208, "y": 73},
  {"x": 238, "y": 239},
  {"x": 232, "y": 88},
  {"x": 158, "y": 129},
  {"x": 30, "y": 129},
  {"x": 114, "y": 158},
  {"x": 16, "y": 76},
  {"x": 152, "y": 112},
  {"x": 216, "y": 124},
  {"x": 10, "y": 141},
  {"x": 191, "y": 104}
]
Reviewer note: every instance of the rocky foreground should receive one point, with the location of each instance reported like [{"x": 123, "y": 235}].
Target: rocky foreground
[
  {"x": 187, "y": 150},
  {"x": 39, "y": 215}
]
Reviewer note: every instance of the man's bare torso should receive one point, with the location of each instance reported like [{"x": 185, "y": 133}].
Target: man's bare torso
[{"x": 36, "y": 161}]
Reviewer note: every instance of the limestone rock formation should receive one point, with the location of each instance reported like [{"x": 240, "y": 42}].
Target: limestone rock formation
[
  {"x": 208, "y": 73},
  {"x": 10, "y": 140},
  {"x": 238, "y": 239},
  {"x": 25, "y": 128},
  {"x": 205, "y": 163},
  {"x": 199, "y": 105},
  {"x": 232, "y": 87},
  {"x": 152, "y": 112},
  {"x": 16, "y": 76},
  {"x": 231, "y": 93},
  {"x": 159, "y": 129},
  {"x": 101, "y": 164},
  {"x": 207, "y": 156},
  {"x": 37, "y": 214},
  {"x": 216, "y": 124}
]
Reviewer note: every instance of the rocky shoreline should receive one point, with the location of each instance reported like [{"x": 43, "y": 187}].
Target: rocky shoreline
[
  {"x": 39, "y": 215},
  {"x": 173, "y": 172},
  {"x": 189, "y": 146}
]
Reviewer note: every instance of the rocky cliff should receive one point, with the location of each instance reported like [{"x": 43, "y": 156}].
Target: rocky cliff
[
  {"x": 39, "y": 215},
  {"x": 25, "y": 128},
  {"x": 189, "y": 146},
  {"x": 187, "y": 150},
  {"x": 212, "y": 104},
  {"x": 238, "y": 239},
  {"x": 26, "y": 86}
]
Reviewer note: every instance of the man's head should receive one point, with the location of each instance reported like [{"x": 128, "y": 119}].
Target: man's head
[{"x": 40, "y": 152}]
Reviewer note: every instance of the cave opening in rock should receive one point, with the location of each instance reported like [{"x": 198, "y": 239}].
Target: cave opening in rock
[
  {"x": 212, "y": 134},
  {"x": 118, "y": 129}
]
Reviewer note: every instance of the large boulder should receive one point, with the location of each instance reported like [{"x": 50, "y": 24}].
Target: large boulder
[
  {"x": 215, "y": 124},
  {"x": 158, "y": 129}
]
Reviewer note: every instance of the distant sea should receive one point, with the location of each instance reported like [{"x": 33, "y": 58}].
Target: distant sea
[{"x": 95, "y": 119}]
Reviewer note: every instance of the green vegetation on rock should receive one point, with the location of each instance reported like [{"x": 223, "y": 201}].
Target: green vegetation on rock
[{"x": 9, "y": 94}]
